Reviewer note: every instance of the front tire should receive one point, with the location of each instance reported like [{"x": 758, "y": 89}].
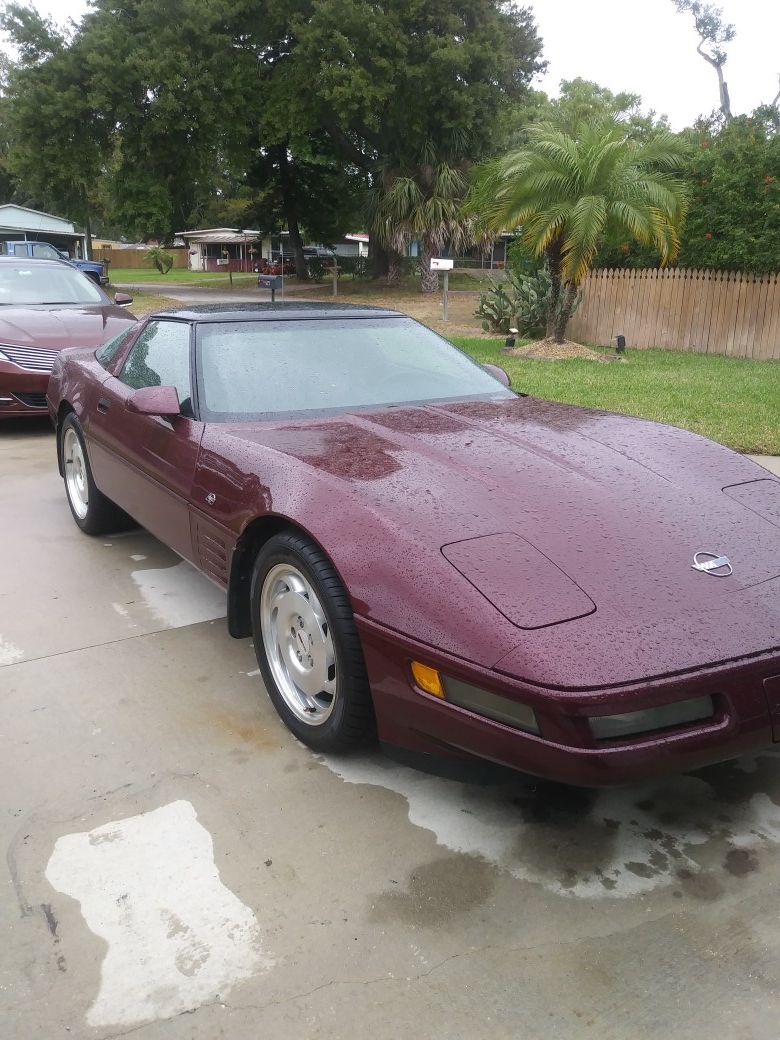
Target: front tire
[
  {"x": 307, "y": 645},
  {"x": 92, "y": 511}
]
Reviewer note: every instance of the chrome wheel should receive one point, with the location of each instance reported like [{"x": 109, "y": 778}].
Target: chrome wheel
[
  {"x": 75, "y": 466},
  {"x": 298, "y": 644}
]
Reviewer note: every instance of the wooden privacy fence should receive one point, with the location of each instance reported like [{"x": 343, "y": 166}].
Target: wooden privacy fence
[
  {"x": 717, "y": 312},
  {"x": 136, "y": 258}
]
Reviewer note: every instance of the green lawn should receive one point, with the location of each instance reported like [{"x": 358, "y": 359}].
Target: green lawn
[
  {"x": 144, "y": 303},
  {"x": 135, "y": 276},
  {"x": 732, "y": 400}
]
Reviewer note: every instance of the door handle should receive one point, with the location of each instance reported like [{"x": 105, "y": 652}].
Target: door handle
[{"x": 103, "y": 405}]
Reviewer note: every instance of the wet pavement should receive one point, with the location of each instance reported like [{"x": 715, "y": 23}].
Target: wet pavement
[
  {"x": 179, "y": 866},
  {"x": 244, "y": 292}
]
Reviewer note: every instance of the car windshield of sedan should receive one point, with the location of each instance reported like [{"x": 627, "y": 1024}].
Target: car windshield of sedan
[
  {"x": 285, "y": 369},
  {"x": 28, "y": 284}
]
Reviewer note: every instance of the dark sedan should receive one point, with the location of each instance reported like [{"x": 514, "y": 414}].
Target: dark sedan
[
  {"x": 423, "y": 554},
  {"x": 46, "y": 305}
]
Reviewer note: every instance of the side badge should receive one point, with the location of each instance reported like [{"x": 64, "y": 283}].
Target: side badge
[{"x": 211, "y": 498}]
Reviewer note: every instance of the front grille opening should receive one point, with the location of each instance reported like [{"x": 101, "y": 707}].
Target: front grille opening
[{"x": 31, "y": 400}]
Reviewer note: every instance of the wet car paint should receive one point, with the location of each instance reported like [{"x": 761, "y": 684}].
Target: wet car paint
[
  {"x": 50, "y": 327},
  {"x": 617, "y": 505}
]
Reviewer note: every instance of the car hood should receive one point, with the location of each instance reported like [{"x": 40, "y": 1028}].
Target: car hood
[
  {"x": 600, "y": 514},
  {"x": 55, "y": 327}
]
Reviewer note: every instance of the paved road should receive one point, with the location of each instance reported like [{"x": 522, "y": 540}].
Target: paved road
[
  {"x": 206, "y": 294},
  {"x": 178, "y": 866}
]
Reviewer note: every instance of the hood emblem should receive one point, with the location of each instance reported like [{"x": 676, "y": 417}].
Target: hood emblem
[{"x": 711, "y": 563}]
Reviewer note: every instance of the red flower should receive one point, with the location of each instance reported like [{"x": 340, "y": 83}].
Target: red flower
[
  {"x": 708, "y": 234},
  {"x": 705, "y": 182},
  {"x": 704, "y": 144},
  {"x": 625, "y": 247}
]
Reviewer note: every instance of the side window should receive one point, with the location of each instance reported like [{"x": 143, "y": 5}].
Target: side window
[
  {"x": 106, "y": 354},
  {"x": 161, "y": 357},
  {"x": 45, "y": 252},
  {"x": 20, "y": 249}
]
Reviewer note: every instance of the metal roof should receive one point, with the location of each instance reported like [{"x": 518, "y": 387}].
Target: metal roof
[{"x": 20, "y": 218}]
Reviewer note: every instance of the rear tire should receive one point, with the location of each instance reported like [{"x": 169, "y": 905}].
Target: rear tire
[
  {"x": 92, "y": 511},
  {"x": 308, "y": 647}
]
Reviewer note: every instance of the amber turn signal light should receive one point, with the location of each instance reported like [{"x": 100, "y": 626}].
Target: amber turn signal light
[{"x": 427, "y": 678}]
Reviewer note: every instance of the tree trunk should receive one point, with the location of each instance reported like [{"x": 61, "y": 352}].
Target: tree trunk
[
  {"x": 725, "y": 100},
  {"x": 87, "y": 224},
  {"x": 429, "y": 280},
  {"x": 393, "y": 267},
  {"x": 564, "y": 312},
  {"x": 291, "y": 215},
  {"x": 723, "y": 87},
  {"x": 554, "y": 265},
  {"x": 377, "y": 257}
]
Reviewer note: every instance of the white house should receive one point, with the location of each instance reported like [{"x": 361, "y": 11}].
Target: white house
[
  {"x": 237, "y": 249},
  {"x": 19, "y": 222}
]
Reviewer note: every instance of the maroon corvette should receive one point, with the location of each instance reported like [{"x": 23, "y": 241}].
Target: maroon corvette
[
  {"x": 46, "y": 305},
  {"x": 421, "y": 553}
]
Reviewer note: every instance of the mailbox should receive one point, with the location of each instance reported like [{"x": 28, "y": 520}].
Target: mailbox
[
  {"x": 441, "y": 264},
  {"x": 272, "y": 282}
]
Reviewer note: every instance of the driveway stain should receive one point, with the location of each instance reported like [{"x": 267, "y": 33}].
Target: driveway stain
[
  {"x": 437, "y": 892},
  {"x": 696, "y": 834}
]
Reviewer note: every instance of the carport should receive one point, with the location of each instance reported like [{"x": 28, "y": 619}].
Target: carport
[{"x": 32, "y": 225}]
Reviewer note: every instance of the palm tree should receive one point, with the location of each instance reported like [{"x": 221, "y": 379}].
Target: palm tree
[
  {"x": 568, "y": 191},
  {"x": 422, "y": 201}
]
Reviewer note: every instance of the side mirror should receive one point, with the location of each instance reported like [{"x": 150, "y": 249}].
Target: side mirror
[
  {"x": 498, "y": 373},
  {"x": 121, "y": 299},
  {"x": 155, "y": 400}
]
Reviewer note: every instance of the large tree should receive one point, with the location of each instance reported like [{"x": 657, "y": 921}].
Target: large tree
[
  {"x": 388, "y": 82},
  {"x": 58, "y": 137},
  {"x": 566, "y": 192},
  {"x": 713, "y": 35},
  {"x": 300, "y": 101}
]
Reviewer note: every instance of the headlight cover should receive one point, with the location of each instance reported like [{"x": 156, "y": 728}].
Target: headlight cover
[
  {"x": 519, "y": 580},
  {"x": 648, "y": 720}
]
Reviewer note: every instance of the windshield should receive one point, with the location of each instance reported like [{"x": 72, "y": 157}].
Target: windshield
[
  {"x": 31, "y": 283},
  {"x": 281, "y": 369}
]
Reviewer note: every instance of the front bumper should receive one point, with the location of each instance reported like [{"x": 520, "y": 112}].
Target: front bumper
[
  {"x": 565, "y": 749},
  {"x": 22, "y": 393}
]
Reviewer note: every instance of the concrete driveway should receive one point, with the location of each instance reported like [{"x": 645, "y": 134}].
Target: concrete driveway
[{"x": 179, "y": 866}]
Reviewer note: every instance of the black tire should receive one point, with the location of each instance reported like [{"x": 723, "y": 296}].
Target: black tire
[
  {"x": 351, "y": 719},
  {"x": 102, "y": 516}
]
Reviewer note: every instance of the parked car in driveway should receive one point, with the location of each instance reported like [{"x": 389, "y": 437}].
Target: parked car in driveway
[
  {"x": 94, "y": 269},
  {"x": 420, "y": 552},
  {"x": 46, "y": 305}
]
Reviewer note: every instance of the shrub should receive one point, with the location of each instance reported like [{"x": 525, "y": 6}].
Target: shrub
[
  {"x": 316, "y": 269},
  {"x": 159, "y": 258}
]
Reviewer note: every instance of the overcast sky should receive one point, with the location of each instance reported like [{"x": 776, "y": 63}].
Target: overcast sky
[{"x": 642, "y": 46}]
